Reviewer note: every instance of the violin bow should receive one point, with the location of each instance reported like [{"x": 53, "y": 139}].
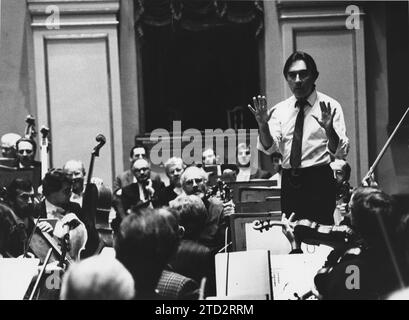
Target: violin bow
[{"x": 388, "y": 142}]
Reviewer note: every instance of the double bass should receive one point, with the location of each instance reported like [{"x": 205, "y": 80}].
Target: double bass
[{"x": 96, "y": 205}]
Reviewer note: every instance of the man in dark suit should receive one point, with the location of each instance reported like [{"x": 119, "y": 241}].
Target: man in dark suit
[
  {"x": 246, "y": 172},
  {"x": 57, "y": 189},
  {"x": 127, "y": 177},
  {"x": 145, "y": 242},
  {"x": 174, "y": 168},
  {"x": 143, "y": 192},
  {"x": 26, "y": 150}
]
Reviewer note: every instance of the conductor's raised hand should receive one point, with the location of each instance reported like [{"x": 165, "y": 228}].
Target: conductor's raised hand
[
  {"x": 260, "y": 110},
  {"x": 327, "y": 116}
]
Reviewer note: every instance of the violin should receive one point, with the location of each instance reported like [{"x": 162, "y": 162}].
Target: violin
[{"x": 313, "y": 233}]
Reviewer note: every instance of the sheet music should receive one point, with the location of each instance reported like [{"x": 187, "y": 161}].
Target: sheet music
[
  {"x": 16, "y": 276},
  {"x": 273, "y": 240},
  {"x": 293, "y": 275}
]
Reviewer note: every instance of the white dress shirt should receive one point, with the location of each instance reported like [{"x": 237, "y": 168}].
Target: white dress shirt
[
  {"x": 53, "y": 212},
  {"x": 315, "y": 149}
]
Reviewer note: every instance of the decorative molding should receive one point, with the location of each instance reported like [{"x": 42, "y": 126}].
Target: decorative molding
[
  {"x": 315, "y": 16},
  {"x": 77, "y": 24},
  {"x": 74, "y": 7},
  {"x": 75, "y": 13},
  {"x": 297, "y": 10}
]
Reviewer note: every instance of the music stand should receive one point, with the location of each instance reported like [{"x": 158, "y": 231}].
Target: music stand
[{"x": 238, "y": 223}]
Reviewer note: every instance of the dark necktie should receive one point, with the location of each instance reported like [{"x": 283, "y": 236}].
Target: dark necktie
[{"x": 296, "y": 146}]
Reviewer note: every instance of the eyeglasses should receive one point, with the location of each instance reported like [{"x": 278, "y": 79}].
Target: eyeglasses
[
  {"x": 197, "y": 181},
  {"x": 141, "y": 169}
]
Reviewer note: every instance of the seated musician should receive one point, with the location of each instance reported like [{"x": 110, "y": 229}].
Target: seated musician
[
  {"x": 97, "y": 278},
  {"x": 127, "y": 177},
  {"x": 16, "y": 218},
  {"x": 193, "y": 259},
  {"x": 143, "y": 192},
  {"x": 194, "y": 183},
  {"x": 342, "y": 173},
  {"x": 375, "y": 258},
  {"x": 76, "y": 169},
  {"x": 8, "y": 149},
  {"x": 174, "y": 168},
  {"x": 26, "y": 150},
  {"x": 276, "y": 161},
  {"x": 144, "y": 244},
  {"x": 246, "y": 172},
  {"x": 174, "y": 285},
  {"x": 57, "y": 190}
]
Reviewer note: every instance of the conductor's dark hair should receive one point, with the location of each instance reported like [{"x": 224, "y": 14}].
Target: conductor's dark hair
[
  {"x": 300, "y": 55},
  {"x": 54, "y": 180},
  {"x": 33, "y": 143}
]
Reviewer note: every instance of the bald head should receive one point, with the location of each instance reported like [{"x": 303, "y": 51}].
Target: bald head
[
  {"x": 98, "y": 278},
  {"x": 141, "y": 170},
  {"x": 8, "y": 144},
  {"x": 76, "y": 169}
]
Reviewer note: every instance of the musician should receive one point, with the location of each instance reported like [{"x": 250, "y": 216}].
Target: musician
[
  {"x": 16, "y": 218},
  {"x": 144, "y": 244},
  {"x": 244, "y": 164},
  {"x": 342, "y": 173},
  {"x": 97, "y": 278},
  {"x": 174, "y": 168},
  {"x": 127, "y": 177},
  {"x": 307, "y": 129},
  {"x": 57, "y": 189},
  {"x": 209, "y": 157},
  {"x": 277, "y": 162},
  {"x": 376, "y": 255},
  {"x": 194, "y": 183},
  {"x": 193, "y": 259},
  {"x": 8, "y": 145},
  {"x": 144, "y": 191},
  {"x": 26, "y": 150},
  {"x": 76, "y": 169},
  {"x": 174, "y": 285}
]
